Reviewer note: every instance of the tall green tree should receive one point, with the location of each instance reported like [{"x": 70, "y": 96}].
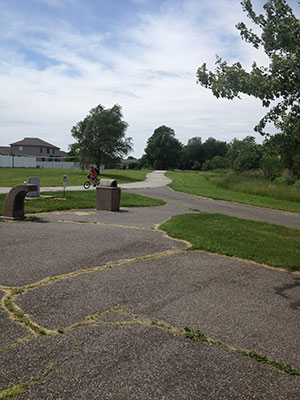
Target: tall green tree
[
  {"x": 213, "y": 147},
  {"x": 163, "y": 150},
  {"x": 193, "y": 153},
  {"x": 100, "y": 137},
  {"x": 244, "y": 155},
  {"x": 278, "y": 85}
]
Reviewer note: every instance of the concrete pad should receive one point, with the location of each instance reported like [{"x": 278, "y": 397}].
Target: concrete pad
[
  {"x": 139, "y": 363},
  {"x": 143, "y": 217},
  {"x": 243, "y": 305},
  {"x": 32, "y": 251}
]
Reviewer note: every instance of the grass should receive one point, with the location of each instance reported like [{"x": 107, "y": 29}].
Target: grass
[
  {"x": 264, "y": 243},
  {"x": 78, "y": 200},
  {"x": 75, "y": 177},
  {"x": 255, "y": 184},
  {"x": 247, "y": 190}
]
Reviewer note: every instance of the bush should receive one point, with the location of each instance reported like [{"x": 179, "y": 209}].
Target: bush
[
  {"x": 296, "y": 185},
  {"x": 281, "y": 180},
  {"x": 196, "y": 166},
  {"x": 218, "y": 162},
  {"x": 206, "y": 166},
  {"x": 271, "y": 166}
]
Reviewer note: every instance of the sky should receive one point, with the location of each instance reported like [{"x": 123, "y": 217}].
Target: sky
[{"x": 61, "y": 58}]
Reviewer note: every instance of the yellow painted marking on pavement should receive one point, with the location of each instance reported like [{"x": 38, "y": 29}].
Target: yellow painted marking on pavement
[{"x": 106, "y": 224}]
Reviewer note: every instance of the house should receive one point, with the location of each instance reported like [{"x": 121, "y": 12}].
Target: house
[
  {"x": 38, "y": 148},
  {"x": 4, "y": 150},
  {"x": 130, "y": 163}
]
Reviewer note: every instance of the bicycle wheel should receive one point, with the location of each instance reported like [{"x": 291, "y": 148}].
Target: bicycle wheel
[{"x": 87, "y": 184}]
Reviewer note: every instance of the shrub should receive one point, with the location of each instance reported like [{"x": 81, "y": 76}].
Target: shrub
[
  {"x": 271, "y": 166},
  {"x": 206, "y": 166},
  {"x": 196, "y": 166}
]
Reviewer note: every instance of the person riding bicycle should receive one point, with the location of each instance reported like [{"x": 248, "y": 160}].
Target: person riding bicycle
[{"x": 93, "y": 174}]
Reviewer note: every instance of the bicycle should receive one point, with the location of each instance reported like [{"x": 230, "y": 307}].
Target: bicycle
[{"x": 90, "y": 182}]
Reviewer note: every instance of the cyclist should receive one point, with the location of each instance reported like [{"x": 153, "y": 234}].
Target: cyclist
[{"x": 93, "y": 175}]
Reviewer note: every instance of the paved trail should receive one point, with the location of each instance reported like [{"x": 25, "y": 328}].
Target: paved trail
[{"x": 106, "y": 298}]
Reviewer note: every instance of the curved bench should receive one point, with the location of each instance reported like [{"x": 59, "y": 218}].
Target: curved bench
[{"x": 13, "y": 207}]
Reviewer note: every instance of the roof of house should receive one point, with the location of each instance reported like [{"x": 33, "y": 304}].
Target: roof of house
[
  {"x": 33, "y": 142},
  {"x": 131, "y": 160}
]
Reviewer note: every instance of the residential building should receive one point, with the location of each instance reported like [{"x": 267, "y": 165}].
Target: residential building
[{"x": 38, "y": 148}]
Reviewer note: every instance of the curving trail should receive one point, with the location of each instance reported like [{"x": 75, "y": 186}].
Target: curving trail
[{"x": 94, "y": 306}]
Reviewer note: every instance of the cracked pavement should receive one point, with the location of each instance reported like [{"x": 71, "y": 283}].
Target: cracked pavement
[{"x": 104, "y": 297}]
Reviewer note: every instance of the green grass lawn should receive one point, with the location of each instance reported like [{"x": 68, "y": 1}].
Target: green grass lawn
[
  {"x": 269, "y": 244},
  {"x": 75, "y": 177},
  {"x": 197, "y": 183},
  {"x": 78, "y": 200}
]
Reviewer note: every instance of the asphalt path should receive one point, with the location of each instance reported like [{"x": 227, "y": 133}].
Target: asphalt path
[{"x": 102, "y": 299}]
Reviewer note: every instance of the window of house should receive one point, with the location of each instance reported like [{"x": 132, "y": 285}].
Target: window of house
[
  {"x": 20, "y": 148},
  {"x": 41, "y": 149},
  {"x": 48, "y": 150},
  {"x": 53, "y": 151}
]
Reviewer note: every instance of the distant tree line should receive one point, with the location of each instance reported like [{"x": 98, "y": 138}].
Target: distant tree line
[{"x": 165, "y": 151}]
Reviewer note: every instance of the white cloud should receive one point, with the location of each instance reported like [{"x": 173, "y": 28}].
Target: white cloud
[{"x": 149, "y": 69}]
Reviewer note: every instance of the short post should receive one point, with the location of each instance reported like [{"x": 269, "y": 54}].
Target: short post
[
  {"x": 13, "y": 207},
  {"x": 64, "y": 183},
  {"x": 108, "y": 195}
]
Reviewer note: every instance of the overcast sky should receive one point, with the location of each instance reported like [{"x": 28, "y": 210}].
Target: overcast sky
[{"x": 60, "y": 58}]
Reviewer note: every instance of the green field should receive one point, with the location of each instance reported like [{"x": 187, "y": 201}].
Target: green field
[
  {"x": 256, "y": 192},
  {"x": 269, "y": 244},
  {"x": 75, "y": 177}
]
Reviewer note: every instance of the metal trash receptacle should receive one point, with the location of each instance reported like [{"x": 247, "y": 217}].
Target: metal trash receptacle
[{"x": 108, "y": 195}]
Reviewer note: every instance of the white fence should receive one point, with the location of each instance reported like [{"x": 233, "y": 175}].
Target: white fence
[{"x": 30, "y": 162}]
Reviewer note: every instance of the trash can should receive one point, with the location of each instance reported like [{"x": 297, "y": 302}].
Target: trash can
[{"x": 108, "y": 195}]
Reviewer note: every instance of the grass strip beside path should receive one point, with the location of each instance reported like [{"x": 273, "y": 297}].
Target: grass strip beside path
[
  {"x": 196, "y": 183},
  {"x": 78, "y": 200},
  {"x": 264, "y": 243},
  {"x": 10, "y": 177}
]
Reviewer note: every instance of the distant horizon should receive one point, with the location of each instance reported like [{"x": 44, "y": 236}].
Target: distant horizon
[{"x": 59, "y": 59}]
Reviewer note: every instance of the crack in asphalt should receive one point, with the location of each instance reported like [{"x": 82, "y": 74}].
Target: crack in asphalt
[{"x": 18, "y": 316}]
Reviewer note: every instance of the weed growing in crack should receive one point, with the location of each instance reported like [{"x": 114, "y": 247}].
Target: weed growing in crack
[
  {"x": 16, "y": 390},
  {"x": 197, "y": 336},
  {"x": 261, "y": 358}
]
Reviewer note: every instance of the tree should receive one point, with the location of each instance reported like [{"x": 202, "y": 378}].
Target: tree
[
  {"x": 213, "y": 147},
  {"x": 101, "y": 137},
  {"x": 163, "y": 150},
  {"x": 271, "y": 162},
  {"x": 279, "y": 83},
  {"x": 193, "y": 154},
  {"x": 244, "y": 155}
]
